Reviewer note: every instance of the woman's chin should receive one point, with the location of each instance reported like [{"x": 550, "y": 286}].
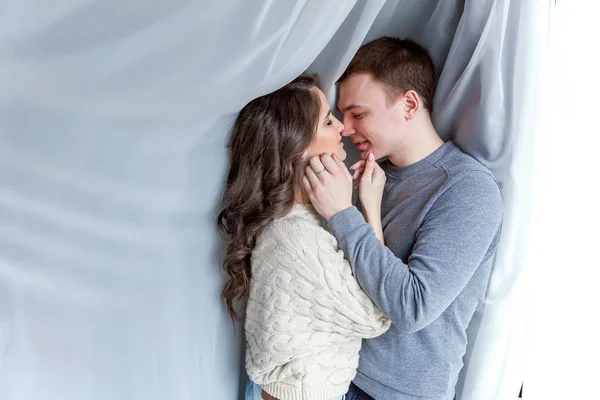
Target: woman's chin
[{"x": 341, "y": 154}]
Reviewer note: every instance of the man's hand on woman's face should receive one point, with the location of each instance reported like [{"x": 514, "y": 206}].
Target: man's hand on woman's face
[{"x": 328, "y": 185}]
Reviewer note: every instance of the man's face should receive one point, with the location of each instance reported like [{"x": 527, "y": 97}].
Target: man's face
[{"x": 373, "y": 123}]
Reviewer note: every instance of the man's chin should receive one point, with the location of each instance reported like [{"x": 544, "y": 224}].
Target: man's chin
[{"x": 364, "y": 154}]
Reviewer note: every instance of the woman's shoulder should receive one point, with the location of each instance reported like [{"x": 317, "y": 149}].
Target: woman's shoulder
[
  {"x": 302, "y": 225},
  {"x": 301, "y": 215}
]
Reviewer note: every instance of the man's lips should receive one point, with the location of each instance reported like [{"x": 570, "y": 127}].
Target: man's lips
[{"x": 362, "y": 145}]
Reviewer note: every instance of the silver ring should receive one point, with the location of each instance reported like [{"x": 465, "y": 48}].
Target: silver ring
[{"x": 321, "y": 171}]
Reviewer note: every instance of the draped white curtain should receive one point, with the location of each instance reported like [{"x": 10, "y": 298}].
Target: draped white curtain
[
  {"x": 564, "y": 323},
  {"x": 113, "y": 122}
]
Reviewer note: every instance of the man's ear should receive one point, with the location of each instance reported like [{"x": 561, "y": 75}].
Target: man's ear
[{"x": 412, "y": 103}]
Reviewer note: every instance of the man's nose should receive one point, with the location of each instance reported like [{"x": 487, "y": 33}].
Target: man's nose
[{"x": 348, "y": 128}]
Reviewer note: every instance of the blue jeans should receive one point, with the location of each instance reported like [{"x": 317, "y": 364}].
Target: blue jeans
[
  {"x": 356, "y": 393},
  {"x": 254, "y": 392}
]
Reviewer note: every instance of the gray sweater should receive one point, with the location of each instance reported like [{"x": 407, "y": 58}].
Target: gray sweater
[{"x": 442, "y": 218}]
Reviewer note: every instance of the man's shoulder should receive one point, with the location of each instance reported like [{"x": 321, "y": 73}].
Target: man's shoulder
[
  {"x": 456, "y": 161},
  {"x": 468, "y": 180},
  {"x": 460, "y": 166}
]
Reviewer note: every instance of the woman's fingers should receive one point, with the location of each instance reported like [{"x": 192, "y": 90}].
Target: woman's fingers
[
  {"x": 358, "y": 173},
  {"x": 316, "y": 166},
  {"x": 368, "y": 172},
  {"x": 330, "y": 165},
  {"x": 312, "y": 177},
  {"x": 359, "y": 164},
  {"x": 306, "y": 184},
  {"x": 378, "y": 172},
  {"x": 341, "y": 165}
]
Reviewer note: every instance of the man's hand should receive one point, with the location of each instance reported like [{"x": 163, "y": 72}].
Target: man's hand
[{"x": 328, "y": 185}]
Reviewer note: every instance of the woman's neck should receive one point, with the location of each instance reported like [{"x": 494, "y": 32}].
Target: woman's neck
[{"x": 301, "y": 197}]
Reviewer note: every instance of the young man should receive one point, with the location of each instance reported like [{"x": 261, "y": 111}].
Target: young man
[{"x": 442, "y": 217}]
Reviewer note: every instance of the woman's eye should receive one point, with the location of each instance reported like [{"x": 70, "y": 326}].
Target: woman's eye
[{"x": 329, "y": 122}]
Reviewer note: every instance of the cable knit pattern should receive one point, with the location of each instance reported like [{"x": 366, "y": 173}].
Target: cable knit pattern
[{"x": 306, "y": 314}]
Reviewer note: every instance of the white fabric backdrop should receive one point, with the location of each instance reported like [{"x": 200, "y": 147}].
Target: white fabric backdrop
[
  {"x": 564, "y": 322},
  {"x": 113, "y": 121}
]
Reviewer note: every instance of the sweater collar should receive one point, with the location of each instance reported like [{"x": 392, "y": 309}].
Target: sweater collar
[{"x": 402, "y": 173}]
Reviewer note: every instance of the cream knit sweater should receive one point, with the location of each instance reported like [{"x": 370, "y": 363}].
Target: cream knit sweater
[{"x": 306, "y": 315}]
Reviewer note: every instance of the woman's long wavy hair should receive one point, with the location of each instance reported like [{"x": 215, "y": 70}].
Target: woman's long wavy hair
[{"x": 266, "y": 147}]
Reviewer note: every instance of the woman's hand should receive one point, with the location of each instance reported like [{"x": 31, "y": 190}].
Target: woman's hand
[
  {"x": 328, "y": 185},
  {"x": 371, "y": 182}
]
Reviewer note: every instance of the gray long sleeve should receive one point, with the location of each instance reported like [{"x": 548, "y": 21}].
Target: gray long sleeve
[
  {"x": 442, "y": 219},
  {"x": 455, "y": 237}
]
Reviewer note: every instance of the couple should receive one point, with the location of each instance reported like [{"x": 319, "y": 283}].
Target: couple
[{"x": 407, "y": 272}]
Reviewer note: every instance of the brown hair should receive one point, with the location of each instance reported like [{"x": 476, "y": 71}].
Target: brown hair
[
  {"x": 266, "y": 146},
  {"x": 399, "y": 64}
]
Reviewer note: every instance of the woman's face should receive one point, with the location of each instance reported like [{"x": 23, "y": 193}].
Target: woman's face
[{"x": 328, "y": 138}]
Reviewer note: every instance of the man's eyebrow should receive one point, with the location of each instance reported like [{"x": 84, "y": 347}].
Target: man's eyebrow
[{"x": 350, "y": 107}]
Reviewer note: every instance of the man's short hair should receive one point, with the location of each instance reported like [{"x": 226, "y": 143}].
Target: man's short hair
[{"x": 399, "y": 64}]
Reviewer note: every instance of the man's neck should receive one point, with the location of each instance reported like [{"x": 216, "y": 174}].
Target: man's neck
[{"x": 417, "y": 145}]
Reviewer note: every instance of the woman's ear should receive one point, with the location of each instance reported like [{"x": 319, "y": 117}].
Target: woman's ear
[{"x": 305, "y": 156}]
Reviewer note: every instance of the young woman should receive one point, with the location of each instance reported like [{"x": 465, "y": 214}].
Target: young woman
[{"x": 306, "y": 315}]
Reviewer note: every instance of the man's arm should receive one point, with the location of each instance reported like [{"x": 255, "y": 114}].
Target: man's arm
[{"x": 457, "y": 234}]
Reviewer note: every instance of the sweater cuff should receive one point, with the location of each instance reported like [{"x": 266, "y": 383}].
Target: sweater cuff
[{"x": 345, "y": 222}]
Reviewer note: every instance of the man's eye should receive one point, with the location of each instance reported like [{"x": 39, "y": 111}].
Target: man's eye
[{"x": 358, "y": 116}]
